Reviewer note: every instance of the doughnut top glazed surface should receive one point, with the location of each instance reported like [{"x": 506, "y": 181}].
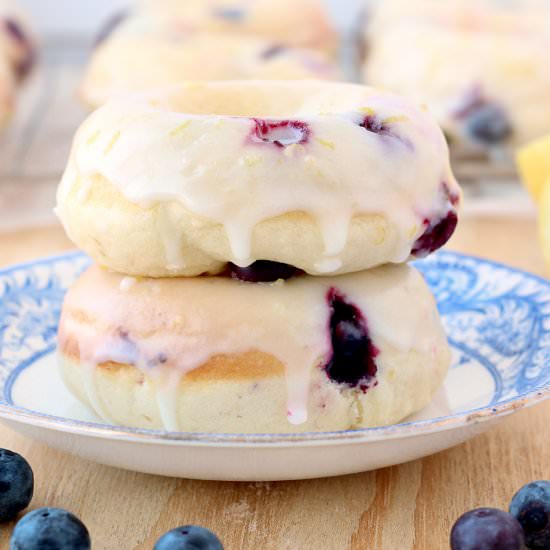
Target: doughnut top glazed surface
[{"x": 239, "y": 153}]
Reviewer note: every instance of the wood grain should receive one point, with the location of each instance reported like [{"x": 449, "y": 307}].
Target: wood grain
[{"x": 411, "y": 506}]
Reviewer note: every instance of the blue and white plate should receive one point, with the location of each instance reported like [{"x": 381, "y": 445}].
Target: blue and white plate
[{"x": 497, "y": 319}]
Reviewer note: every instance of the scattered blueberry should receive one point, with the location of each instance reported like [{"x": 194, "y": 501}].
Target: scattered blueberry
[
  {"x": 273, "y": 51},
  {"x": 487, "y": 529},
  {"x": 437, "y": 234},
  {"x": 263, "y": 271},
  {"x": 531, "y": 507},
  {"x": 109, "y": 27},
  {"x": 280, "y": 133},
  {"x": 489, "y": 124},
  {"x": 16, "y": 484},
  {"x": 233, "y": 14},
  {"x": 189, "y": 537},
  {"x": 50, "y": 529},
  {"x": 353, "y": 353}
]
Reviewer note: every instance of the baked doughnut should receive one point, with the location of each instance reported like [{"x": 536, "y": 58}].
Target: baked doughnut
[
  {"x": 213, "y": 354},
  {"x": 147, "y": 51},
  {"x": 481, "y": 66},
  {"x": 326, "y": 177},
  {"x": 303, "y": 24},
  {"x": 17, "y": 53}
]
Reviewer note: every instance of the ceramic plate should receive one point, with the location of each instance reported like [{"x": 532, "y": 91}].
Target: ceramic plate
[{"x": 497, "y": 319}]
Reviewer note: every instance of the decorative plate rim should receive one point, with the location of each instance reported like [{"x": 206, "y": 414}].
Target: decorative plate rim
[{"x": 409, "y": 429}]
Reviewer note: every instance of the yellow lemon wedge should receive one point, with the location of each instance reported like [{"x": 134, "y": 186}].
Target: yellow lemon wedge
[{"x": 533, "y": 162}]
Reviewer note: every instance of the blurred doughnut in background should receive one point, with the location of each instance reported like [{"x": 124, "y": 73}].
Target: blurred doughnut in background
[{"x": 482, "y": 66}]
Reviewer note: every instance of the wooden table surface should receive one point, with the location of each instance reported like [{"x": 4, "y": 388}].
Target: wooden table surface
[{"x": 411, "y": 506}]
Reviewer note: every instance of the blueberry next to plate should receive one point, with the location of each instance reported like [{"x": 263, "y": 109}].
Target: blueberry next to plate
[
  {"x": 189, "y": 537},
  {"x": 531, "y": 507},
  {"x": 16, "y": 484},
  {"x": 487, "y": 529},
  {"x": 50, "y": 529}
]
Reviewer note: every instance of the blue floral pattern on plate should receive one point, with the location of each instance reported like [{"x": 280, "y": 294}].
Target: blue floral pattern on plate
[{"x": 495, "y": 316}]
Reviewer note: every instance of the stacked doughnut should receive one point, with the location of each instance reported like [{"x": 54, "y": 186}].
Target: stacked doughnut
[
  {"x": 16, "y": 56},
  {"x": 482, "y": 66},
  {"x": 251, "y": 242},
  {"x": 165, "y": 43}
]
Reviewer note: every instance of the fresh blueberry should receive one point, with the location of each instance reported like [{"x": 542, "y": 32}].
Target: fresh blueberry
[
  {"x": 233, "y": 14},
  {"x": 50, "y": 529},
  {"x": 189, "y": 537},
  {"x": 531, "y": 507},
  {"x": 353, "y": 353},
  {"x": 487, "y": 529},
  {"x": 272, "y": 51},
  {"x": 437, "y": 234},
  {"x": 16, "y": 484},
  {"x": 488, "y": 124},
  {"x": 109, "y": 27},
  {"x": 263, "y": 271},
  {"x": 280, "y": 132}
]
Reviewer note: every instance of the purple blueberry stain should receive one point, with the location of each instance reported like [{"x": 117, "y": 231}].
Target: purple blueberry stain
[
  {"x": 352, "y": 362},
  {"x": 280, "y": 133},
  {"x": 436, "y": 234},
  {"x": 263, "y": 271},
  {"x": 440, "y": 229},
  {"x": 374, "y": 125}
]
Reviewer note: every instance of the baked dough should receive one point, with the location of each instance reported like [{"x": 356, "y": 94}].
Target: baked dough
[
  {"x": 328, "y": 177},
  {"x": 212, "y": 354}
]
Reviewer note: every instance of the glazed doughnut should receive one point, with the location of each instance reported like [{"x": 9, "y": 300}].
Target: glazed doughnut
[
  {"x": 128, "y": 61},
  {"x": 213, "y": 354},
  {"x": 303, "y": 24},
  {"x": 481, "y": 66},
  {"x": 329, "y": 178}
]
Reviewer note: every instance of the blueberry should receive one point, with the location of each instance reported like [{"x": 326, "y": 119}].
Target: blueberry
[
  {"x": 16, "y": 484},
  {"x": 437, "y": 234},
  {"x": 280, "y": 132},
  {"x": 487, "y": 529},
  {"x": 50, "y": 529},
  {"x": 531, "y": 507},
  {"x": 189, "y": 537},
  {"x": 373, "y": 124},
  {"x": 233, "y": 14},
  {"x": 263, "y": 271},
  {"x": 353, "y": 354},
  {"x": 273, "y": 51},
  {"x": 488, "y": 124}
]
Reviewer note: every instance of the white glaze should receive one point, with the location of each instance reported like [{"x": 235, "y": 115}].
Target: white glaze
[
  {"x": 192, "y": 320},
  {"x": 211, "y": 165}
]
